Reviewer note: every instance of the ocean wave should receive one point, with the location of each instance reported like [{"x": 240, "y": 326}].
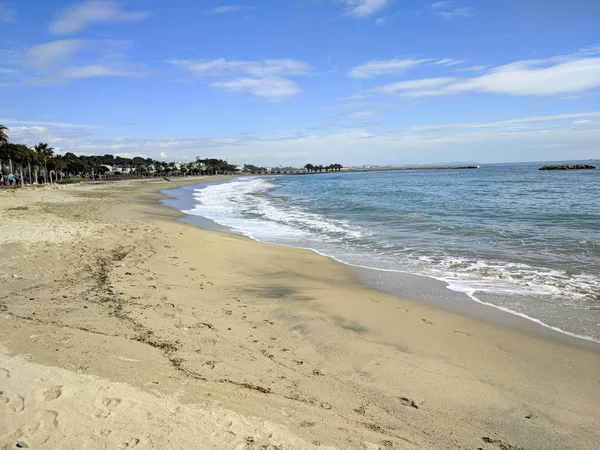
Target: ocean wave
[
  {"x": 242, "y": 205},
  {"x": 251, "y": 207}
]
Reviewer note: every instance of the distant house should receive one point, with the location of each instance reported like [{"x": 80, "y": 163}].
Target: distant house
[{"x": 117, "y": 170}]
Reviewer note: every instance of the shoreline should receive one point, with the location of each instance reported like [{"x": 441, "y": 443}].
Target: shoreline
[
  {"x": 431, "y": 293},
  {"x": 265, "y": 346}
]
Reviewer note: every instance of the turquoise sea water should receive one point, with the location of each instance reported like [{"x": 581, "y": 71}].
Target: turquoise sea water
[{"x": 523, "y": 240}]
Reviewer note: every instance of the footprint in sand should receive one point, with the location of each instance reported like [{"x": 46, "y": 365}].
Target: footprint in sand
[
  {"x": 407, "y": 402},
  {"x": 224, "y": 434},
  {"x": 39, "y": 429},
  {"x": 48, "y": 395},
  {"x": 130, "y": 443},
  {"x": 16, "y": 405},
  {"x": 464, "y": 333},
  {"x": 105, "y": 407},
  {"x": 428, "y": 322},
  {"x": 4, "y": 372}
]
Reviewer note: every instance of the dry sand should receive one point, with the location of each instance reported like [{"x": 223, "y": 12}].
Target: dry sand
[{"x": 123, "y": 328}]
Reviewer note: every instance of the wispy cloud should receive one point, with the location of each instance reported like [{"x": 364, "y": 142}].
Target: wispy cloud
[
  {"x": 7, "y": 121},
  {"x": 44, "y": 55},
  {"x": 362, "y": 115},
  {"x": 447, "y": 62},
  {"x": 364, "y": 8},
  {"x": 440, "y": 5},
  {"x": 93, "y": 71},
  {"x": 386, "y": 19},
  {"x": 413, "y": 86},
  {"x": 7, "y": 14},
  {"x": 271, "y": 88},
  {"x": 565, "y": 75},
  {"x": 444, "y": 10},
  {"x": 63, "y": 60},
  {"x": 228, "y": 9},
  {"x": 517, "y": 121},
  {"x": 381, "y": 67},
  {"x": 548, "y": 137},
  {"x": 457, "y": 13},
  {"x": 260, "y": 78},
  {"x": 222, "y": 66},
  {"x": 478, "y": 68},
  {"x": 396, "y": 66},
  {"x": 78, "y": 17}
]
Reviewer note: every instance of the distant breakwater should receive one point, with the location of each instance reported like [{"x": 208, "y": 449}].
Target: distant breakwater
[
  {"x": 568, "y": 167},
  {"x": 383, "y": 169}
]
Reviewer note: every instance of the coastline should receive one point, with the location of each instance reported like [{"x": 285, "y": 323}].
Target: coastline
[
  {"x": 422, "y": 288},
  {"x": 282, "y": 337}
]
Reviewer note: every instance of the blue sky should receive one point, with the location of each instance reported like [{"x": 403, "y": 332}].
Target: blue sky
[{"x": 289, "y": 82}]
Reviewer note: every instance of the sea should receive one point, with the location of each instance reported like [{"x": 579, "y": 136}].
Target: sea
[{"x": 507, "y": 236}]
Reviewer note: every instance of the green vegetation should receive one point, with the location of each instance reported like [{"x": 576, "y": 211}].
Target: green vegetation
[
  {"x": 330, "y": 168},
  {"x": 40, "y": 164}
]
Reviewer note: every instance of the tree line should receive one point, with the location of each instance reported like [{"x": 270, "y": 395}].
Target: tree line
[
  {"x": 40, "y": 164},
  {"x": 330, "y": 168}
]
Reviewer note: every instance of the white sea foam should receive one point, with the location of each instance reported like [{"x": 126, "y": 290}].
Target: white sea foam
[
  {"x": 241, "y": 206},
  {"x": 245, "y": 206}
]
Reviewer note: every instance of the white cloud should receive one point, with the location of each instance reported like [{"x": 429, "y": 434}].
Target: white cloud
[
  {"x": 362, "y": 115},
  {"x": 364, "y": 8},
  {"x": 517, "y": 121},
  {"x": 271, "y": 88},
  {"x": 443, "y": 9},
  {"x": 381, "y": 67},
  {"x": 9, "y": 122},
  {"x": 69, "y": 59},
  {"x": 447, "y": 62},
  {"x": 413, "y": 85},
  {"x": 93, "y": 71},
  {"x": 47, "y": 54},
  {"x": 222, "y": 66},
  {"x": 78, "y": 17},
  {"x": 544, "y": 77},
  {"x": 440, "y": 5},
  {"x": 228, "y": 9},
  {"x": 478, "y": 68},
  {"x": 261, "y": 78},
  {"x": 457, "y": 13},
  {"x": 385, "y": 19},
  {"x": 536, "y": 138},
  {"x": 7, "y": 14}
]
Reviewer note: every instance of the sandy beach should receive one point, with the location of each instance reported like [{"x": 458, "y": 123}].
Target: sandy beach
[{"x": 121, "y": 327}]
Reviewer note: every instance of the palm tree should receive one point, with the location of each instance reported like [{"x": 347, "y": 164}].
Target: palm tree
[
  {"x": 15, "y": 154},
  {"x": 20, "y": 156},
  {"x": 3, "y": 135},
  {"x": 190, "y": 168},
  {"x": 3, "y": 141},
  {"x": 309, "y": 168},
  {"x": 59, "y": 164},
  {"x": 44, "y": 153}
]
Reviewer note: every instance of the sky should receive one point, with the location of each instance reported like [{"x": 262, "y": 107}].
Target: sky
[{"x": 288, "y": 82}]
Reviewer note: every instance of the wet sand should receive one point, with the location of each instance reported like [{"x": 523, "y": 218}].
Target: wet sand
[{"x": 121, "y": 327}]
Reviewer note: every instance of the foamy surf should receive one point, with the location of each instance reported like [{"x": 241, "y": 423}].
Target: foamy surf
[{"x": 304, "y": 214}]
